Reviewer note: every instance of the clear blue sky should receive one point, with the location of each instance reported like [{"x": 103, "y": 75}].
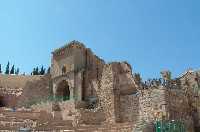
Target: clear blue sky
[{"x": 151, "y": 35}]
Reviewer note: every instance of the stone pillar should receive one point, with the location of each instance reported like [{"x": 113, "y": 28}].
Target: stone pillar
[
  {"x": 78, "y": 85},
  {"x": 54, "y": 90},
  {"x": 71, "y": 93},
  {"x": 109, "y": 95}
]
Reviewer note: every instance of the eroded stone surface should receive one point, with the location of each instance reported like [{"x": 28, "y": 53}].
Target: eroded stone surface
[{"x": 102, "y": 97}]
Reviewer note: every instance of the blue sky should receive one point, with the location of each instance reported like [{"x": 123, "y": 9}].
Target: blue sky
[{"x": 152, "y": 35}]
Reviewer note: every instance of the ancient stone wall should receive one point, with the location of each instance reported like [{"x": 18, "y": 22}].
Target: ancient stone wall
[
  {"x": 154, "y": 104},
  {"x": 161, "y": 103},
  {"x": 191, "y": 86},
  {"x": 67, "y": 109},
  {"x": 36, "y": 91},
  {"x": 179, "y": 108},
  {"x": 87, "y": 67},
  {"x": 92, "y": 74},
  {"x": 92, "y": 116},
  {"x": 129, "y": 108},
  {"x": 57, "y": 66},
  {"x": 116, "y": 86},
  {"x": 43, "y": 106},
  {"x": 106, "y": 94},
  {"x": 71, "y": 56},
  {"x": 178, "y": 104},
  {"x": 15, "y": 87},
  {"x": 123, "y": 78}
]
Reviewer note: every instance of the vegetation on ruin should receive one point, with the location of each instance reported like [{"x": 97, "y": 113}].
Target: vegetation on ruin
[
  {"x": 0, "y": 69},
  {"x": 50, "y": 98},
  {"x": 7, "y": 68},
  {"x": 36, "y": 71},
  {"x": 170, "y": 126}
]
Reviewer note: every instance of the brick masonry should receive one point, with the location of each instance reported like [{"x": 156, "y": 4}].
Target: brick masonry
[{"x": 103, "y": 93}]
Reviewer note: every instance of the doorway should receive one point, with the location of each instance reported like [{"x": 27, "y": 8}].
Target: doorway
[{"x": 63, "y": 92}]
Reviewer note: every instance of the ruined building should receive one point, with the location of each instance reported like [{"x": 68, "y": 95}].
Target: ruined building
[{"x": 82, "y": 91}]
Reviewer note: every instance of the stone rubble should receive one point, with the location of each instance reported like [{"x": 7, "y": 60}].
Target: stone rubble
[{"x": 96, "y": 96}]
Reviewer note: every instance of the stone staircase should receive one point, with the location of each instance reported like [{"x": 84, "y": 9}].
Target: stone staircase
[
  {"x": 120, "y": 127},
  {"x": 142, "y": 126},
  {"x": 13, "y": 121}
]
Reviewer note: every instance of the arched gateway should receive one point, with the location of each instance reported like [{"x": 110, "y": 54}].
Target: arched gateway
[{"x": 63, "y": 91}]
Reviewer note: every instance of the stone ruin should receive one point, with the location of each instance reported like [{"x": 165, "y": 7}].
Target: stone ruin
[{"x": 82, "y": 91}]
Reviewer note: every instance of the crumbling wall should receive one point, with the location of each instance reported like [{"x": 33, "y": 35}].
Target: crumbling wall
[
  {"x": 178, "y": 104},
  {"x": 116, "y": 84},
  {"x": 36, "y": 91},
  {"x": 191, "y": 86},
  {"x": 162, "y": 103},
  {"x": 92, "y": 74},
  {"x": 12, "y": 87},
  {"x": 106, "y": 93},
  {"x": 92, "y": 116},
  {"x": 75, "y": 57},
  {"x": 179, "y": 108},
  {"x": 153, "y": 104},
  {"x": 129, "y": 108},
  {"x": 68, "y": 56},
  {"x": 43, "y": 106}
]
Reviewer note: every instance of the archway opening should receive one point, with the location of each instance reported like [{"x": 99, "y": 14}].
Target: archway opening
[
  {"x": 64, "y": 70},
  {"x": 63, "y": 92},
  {"x": 2, "y": 101}
]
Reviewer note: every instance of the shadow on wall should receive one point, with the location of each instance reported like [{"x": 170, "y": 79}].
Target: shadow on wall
[
  {"x": 2, "y": 101},
  {"x": 93, "y": 112},
  {"x": 63, "y": 90},
  {"x": 8, "y": 101},
  {"x": 35, "y": 92}
]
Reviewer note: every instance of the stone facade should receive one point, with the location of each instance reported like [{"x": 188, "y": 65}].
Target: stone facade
[
  {"x": 89, "y": 91},
  {"x": 79, "y": 67},
  {"x": 20, "y": 89}
]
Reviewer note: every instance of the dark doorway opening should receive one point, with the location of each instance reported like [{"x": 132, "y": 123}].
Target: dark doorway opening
[
  {"x": 63, "y": 92},
  {"x": 2, "y": 101}
]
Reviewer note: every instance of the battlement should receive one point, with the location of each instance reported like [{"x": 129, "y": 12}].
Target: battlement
[{"x": 73, "y": 44}]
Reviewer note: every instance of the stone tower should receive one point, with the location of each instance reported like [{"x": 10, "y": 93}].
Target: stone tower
[{"x": 75, "y": 71}]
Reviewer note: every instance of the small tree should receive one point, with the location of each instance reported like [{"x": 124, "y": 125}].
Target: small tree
[
  {"x": 49, "y": 70},
  {"x": 37, "y": 71},
  {"x": 17, "y": 71},
  {"x": 33, "y": 72},
  {"x": 0, "y": 69},
  {"x": 12, "y": 71},
  {"x": 42, "y": 71},
  {"x": 7, "y": 68}
]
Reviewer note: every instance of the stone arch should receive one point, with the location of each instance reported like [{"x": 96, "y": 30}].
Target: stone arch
[
  {"x": 62, "y": 90},
  {"x": 64, "y": 70}
]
